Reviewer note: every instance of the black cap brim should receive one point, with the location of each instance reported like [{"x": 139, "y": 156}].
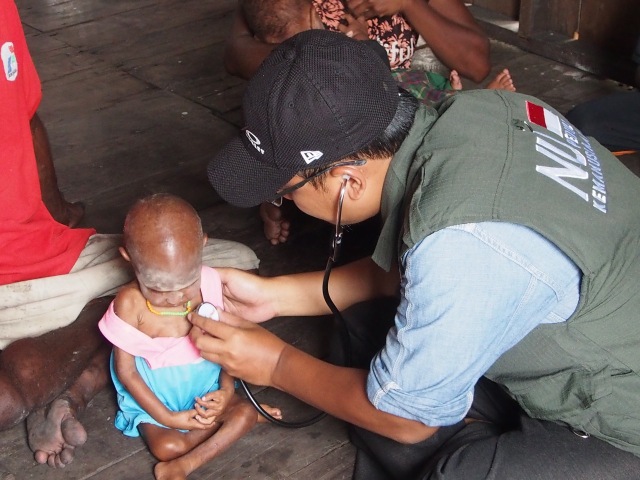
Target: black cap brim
[{"x": 240, "y": 179}]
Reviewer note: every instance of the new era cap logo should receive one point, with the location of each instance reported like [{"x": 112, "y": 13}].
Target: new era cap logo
[
  {"x": 255, "y": 141},
  {"x": 310, "y": 155}
]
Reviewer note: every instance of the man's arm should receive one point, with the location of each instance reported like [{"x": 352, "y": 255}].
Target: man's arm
[
  {"x": 453, "y": 35},
  {"x": 250, "y": 352},
  {"x": 259, "y": 299},
  {"x": 343, "y": 395},
  {"x": 446, "y": 26},
  {"x": 243, "y": 53},
  {"x": 60, "y": 209}
]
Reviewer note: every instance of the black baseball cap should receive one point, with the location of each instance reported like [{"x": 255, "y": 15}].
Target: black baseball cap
[{"x": 320, "y": 96}]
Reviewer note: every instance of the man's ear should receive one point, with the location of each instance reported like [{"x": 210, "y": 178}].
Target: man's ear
[
  {"x": 204, "y": 239},
  {"x": 124, "y": 254},
  {"x": 355, "y": 178}
]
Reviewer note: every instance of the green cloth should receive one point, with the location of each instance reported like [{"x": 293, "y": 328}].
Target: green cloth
[
  {"x": 428, "y": 87},
  {"x": 489, "y": 155}
]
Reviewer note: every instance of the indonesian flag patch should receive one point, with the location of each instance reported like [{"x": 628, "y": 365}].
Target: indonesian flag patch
[{"x": 544, "y": 118}]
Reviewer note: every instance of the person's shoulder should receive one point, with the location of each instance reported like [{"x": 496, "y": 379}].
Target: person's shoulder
[{"x": 128, "y": 302}]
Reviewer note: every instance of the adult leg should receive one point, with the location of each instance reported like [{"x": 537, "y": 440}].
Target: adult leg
[
  {"x": 34, "y": 371},
  {"x": 503, "y": 442},
  {"x": 54, "y": 431},
  {"x": 51, "y": 378},
  {"x": 380, "y": 458},
  {"x": 498, "y": 441}
]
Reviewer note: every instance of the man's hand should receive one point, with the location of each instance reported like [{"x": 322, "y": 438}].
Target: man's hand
[
  {"x": 243, "y": 349},
  {"x": 247, "y": 295},
  {"x": 356, "y": 28}
]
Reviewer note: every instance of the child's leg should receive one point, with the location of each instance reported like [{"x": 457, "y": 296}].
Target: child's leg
[
  {"x": 168, "y": 444},
  {"x": 200, "y": 446}
]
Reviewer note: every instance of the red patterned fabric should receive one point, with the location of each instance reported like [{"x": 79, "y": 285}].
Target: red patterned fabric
[{"x": 393, "y": 32}]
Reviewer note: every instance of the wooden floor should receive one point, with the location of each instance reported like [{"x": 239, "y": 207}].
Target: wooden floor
[{"x": 136, "y": 101}]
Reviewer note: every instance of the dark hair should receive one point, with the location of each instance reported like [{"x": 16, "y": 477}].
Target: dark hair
[
  {"x": 269, "y": 20},
  {"x": 388, "y": 143}
]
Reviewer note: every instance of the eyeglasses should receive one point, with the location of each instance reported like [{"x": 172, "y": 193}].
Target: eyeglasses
[{"x": 277, "y": 201}]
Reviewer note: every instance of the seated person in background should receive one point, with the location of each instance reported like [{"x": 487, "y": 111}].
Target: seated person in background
[
  {"x": 275, "y": 21},
  {"x": 613, "y": 120},
  {"x": 446, "y": 26},
  {"x": 54, "y": 280},
  {"x": 184, "y": 407}
]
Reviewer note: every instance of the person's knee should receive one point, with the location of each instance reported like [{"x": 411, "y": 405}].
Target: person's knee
[
  {"x": 243, "y": 415},
  {"x": 169, "y": 449},
  {"x": 22, "y": 364},
  {"x": 13, "y": 407}
]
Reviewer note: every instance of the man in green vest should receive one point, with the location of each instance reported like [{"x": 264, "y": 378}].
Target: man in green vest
[{"x": 509, "y": 252}]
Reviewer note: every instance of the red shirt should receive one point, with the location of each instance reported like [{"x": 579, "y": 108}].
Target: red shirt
[{"x": 32, "y": 244}]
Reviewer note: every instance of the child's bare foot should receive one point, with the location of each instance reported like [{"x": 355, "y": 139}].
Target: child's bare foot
[
  {"x": 276, "y": 228},
  {"x": 454, "y": 80},
  {"x": 54, "y": 433},
  {"x": 502, "y": 81},
  {"x": 274, "y": 412},
  {"x": 169, "y": 471}
]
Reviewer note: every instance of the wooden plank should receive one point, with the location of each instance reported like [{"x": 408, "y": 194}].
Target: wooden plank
[
  {"x": 336, "y": 465},
  {"x": 57, "y": 14},
  {"x": 156, "y": 25},
  {"x": 196, "y": 75},
  {"x": 543, "y": 16},
  {"x": 510, "y": 8},
  {"x": 613, "y": 25},
  {"x": 151, "y": 128},
  {"x": 575, "y": 53}
]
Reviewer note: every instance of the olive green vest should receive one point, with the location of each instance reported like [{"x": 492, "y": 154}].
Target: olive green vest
[{"x": 499, "y": 156}]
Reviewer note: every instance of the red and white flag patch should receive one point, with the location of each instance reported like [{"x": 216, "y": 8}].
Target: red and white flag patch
[{"x": 545, "y": 118}]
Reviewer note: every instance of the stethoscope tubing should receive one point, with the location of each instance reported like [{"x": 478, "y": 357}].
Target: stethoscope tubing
[{"x": 338, "y": 321}]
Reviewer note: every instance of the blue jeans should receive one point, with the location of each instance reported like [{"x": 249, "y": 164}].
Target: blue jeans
[{"x": 506, "y": 444}]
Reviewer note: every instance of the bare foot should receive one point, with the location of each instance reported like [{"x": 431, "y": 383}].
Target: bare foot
[
  {"x": 502, "y": 81},
  {"x": 274, "y": 412},
  {"x": 168, "y": 471},
  {"x": 454, "y": 80},
  {"x": 54, "y": 434},
  {"x": 276, "y": 228}
]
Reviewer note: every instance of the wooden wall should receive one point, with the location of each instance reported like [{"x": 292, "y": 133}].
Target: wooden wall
[{"x": 598, "y": 36}]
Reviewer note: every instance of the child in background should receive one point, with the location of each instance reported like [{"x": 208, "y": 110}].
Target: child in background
[
  {"x": 184, "y": 407},
  {"x": 275, "y": 21}
]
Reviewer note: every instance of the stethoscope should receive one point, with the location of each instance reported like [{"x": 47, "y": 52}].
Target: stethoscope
[{"x": 338, "y": 320}]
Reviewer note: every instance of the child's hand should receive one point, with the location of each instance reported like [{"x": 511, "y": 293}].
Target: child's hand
[
  {"x": 188, "y": 420},
  {"x": 356, "y": 28},
  {"x": 212, "y": 404}
]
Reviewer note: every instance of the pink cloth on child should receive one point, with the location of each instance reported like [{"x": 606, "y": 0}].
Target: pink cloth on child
[{"x": 160, "y": 351}]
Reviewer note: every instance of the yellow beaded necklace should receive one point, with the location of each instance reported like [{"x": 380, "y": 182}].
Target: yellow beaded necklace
[{"x": 169, "y": 313}]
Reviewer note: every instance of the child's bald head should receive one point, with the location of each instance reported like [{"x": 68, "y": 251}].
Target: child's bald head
[{"x": 163, "y": 239}]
